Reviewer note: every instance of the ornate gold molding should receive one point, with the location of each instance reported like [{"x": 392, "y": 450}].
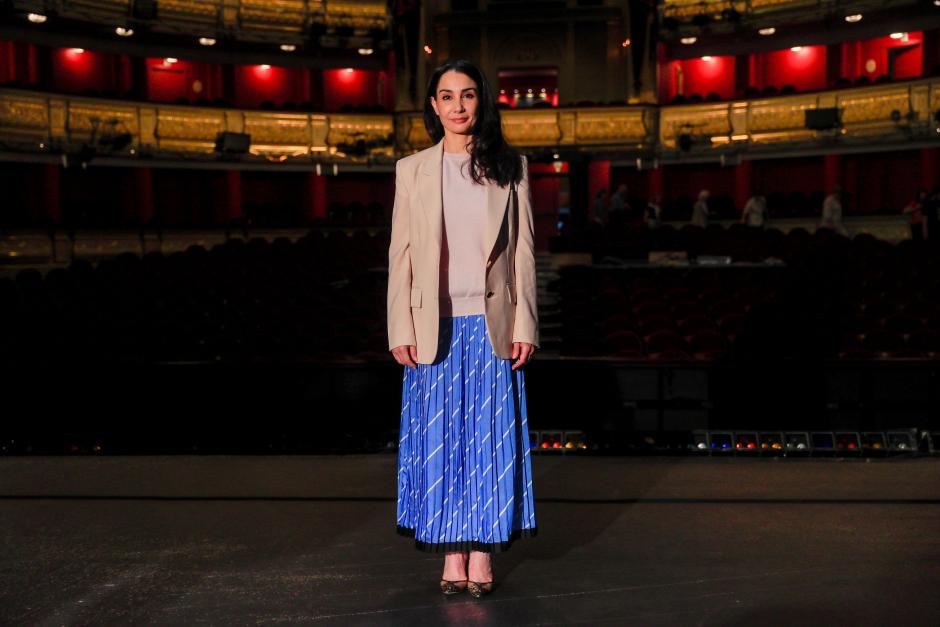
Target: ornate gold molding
[
  {"x": 898, "y": 112},
  {"x": 247, "y": 17}
]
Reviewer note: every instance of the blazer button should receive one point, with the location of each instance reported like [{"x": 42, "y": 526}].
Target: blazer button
[{"x": 489, "y": 294}]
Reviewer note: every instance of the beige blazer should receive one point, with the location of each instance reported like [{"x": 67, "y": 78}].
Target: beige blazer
[{"x": 415, "y": 251}]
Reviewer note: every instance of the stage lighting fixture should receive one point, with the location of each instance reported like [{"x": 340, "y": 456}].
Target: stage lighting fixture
[
  {"x": 898, "y": 35},
  {"x": 207, "y": 41},
  {"x": 123, "y": 31},
  {"x": 821, "y": 119},
  {"x": 770, "y": 442},
  {"x": 855, "y": 17},
  {"x": 533, "y": 439},
  {"x": 933, "y": 437},
  {"x": 874, "y": 442},
  {"x": 797, "y": 443},
  {"x": 688, "y": 40},
  {"x": 574, "y": 441},
  {"x": 288, "y": 47},
  {"x": 551, "y": 441},
  {"x": 699, "y": 441},
  {"x": 720, "y": 442},
  {"x": 848, "y": 442},
  {"x": 365, "y": 51},
  {"x": 36, "y": 18},
  {"x": 170, "y": 60},
  {"x": 767, "y": 31},
  {"x": 745, "y": 442},
  {"x": 230, "y": 144},
  {"x": 118, "y": 142},
  {"x": 823, "y": 442},
  {"x": 902, "y": 442}
]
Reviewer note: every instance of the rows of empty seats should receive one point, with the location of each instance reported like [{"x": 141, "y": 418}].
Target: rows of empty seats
[{"x": 833, "y": 298}]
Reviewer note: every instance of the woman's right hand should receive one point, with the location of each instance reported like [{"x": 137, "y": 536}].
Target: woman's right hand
[{"x": 406, "y": 355}]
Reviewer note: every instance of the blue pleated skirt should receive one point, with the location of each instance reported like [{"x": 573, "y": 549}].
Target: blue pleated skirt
[{"x": 464, "y": 467}]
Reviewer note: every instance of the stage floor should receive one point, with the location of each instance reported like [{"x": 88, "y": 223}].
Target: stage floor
[{"x": 235, "y": 540}]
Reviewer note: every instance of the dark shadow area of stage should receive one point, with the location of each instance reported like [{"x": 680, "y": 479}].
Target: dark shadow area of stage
[
  {"x": 229, "y": 539},
  {"x": 315, "y": 407}
]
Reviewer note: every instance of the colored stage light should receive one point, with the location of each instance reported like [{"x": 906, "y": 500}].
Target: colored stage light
[
  {"x": 574, "y": 440},
  {"x": 745, "y": 441},
  {"x": 721, "y": 441},
  {"x": 823, "y": 442},
  {"x": 848, "y": 442},
  {"x": 552, "y": 440},
  {"x": 771, "y": 442},
  {"x": 873, "y": 441},
  {"x": 797, "y": 443},
  {"x": 902, "y": 441},
  {"x": 533, "y": 439}
]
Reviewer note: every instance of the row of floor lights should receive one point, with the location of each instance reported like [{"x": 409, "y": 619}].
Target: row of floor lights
[
  {"x": 810, "y": 442},
  {"x": 557, "y": 441}
]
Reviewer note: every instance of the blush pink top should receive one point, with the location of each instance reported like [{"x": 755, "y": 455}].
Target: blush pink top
[{"x": 463, "y": 249}]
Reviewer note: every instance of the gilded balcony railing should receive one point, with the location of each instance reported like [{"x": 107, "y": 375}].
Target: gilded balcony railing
[
  {"x": 897, "y": 112},
  {"x": 239, "y": 17}
]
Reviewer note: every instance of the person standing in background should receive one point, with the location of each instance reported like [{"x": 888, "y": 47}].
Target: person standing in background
[
  {"x": 832, "y": 211},
  {"x": 917, "y": 215},
  {"x": 755, "y": 212},
  {"x": 700, "y": 212}
]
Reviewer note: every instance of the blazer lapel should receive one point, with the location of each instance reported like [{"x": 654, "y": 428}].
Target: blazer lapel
[{"x": 432, "y": 199}]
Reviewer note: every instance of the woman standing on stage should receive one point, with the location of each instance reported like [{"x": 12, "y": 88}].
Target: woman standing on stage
[{"x": 462, "y": 319}]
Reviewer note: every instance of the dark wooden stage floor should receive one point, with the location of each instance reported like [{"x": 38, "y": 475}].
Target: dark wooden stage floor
[{"x": 234, "y": 540}]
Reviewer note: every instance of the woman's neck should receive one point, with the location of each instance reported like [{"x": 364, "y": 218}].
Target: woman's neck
[{"x": 456, "y": 143}]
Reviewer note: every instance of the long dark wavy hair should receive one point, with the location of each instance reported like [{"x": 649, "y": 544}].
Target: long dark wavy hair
[{"x": 491, "y": 156}]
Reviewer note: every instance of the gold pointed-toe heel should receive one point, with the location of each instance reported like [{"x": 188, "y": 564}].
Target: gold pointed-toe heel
[
  {"x": 453, "y": 587},
  {"x": 478, "y": 589}
]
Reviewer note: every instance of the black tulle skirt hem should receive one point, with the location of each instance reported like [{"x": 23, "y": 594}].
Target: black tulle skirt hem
[{"x": 467, "y": 545}]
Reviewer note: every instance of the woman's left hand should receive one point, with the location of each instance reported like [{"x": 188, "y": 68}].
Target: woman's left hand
[{"x": 522, "y": 351}]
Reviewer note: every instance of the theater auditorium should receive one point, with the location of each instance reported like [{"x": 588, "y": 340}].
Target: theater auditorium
[{"x": 710, "y": 300}]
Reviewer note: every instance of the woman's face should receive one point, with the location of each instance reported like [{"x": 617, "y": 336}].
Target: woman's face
[{"x": 456, "y": 102}]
